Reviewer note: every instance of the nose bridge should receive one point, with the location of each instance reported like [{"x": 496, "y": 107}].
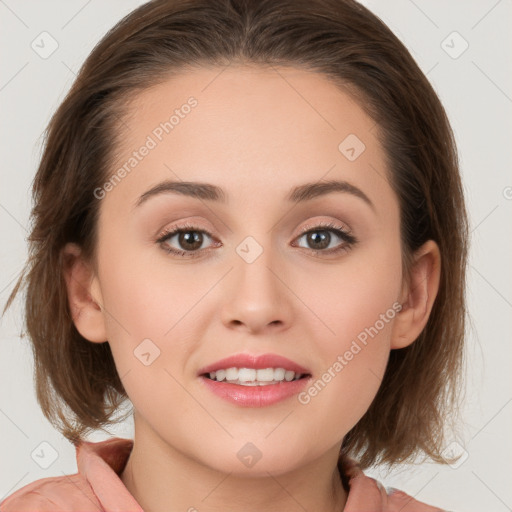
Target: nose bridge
[
  {"x": 256, "y": 295},
  {"x": 255, "y": 268}
]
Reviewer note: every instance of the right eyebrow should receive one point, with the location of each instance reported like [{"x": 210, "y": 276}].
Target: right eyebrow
[{"x": 205, "y": 191}]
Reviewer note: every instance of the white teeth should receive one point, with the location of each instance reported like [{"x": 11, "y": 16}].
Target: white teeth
[
  {"x": 279, "y": 373},
  {"x": 266, "y": 375},
  {"x": 253, "y": 377},
  {"x": 245, "y": 374},
  {"x": 231, "y": 374},
  {"x": 288, "y": 376}
]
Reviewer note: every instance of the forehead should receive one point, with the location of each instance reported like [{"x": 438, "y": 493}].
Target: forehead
[{"x": 249, "y": 127}]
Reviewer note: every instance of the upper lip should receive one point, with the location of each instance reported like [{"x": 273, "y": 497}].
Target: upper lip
[{"x": 256, "y": 361}]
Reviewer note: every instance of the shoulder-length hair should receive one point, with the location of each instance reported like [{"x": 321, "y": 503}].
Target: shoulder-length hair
[{"x": 77, "y": 384}]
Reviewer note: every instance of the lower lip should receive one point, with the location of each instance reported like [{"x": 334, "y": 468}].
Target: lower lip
[{"x": 255, "y": 396}]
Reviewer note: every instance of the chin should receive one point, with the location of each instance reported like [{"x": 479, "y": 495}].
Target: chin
[{"x": 253, "y": 460}]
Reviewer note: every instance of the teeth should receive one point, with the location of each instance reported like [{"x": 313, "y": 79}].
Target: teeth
[
  {"x": 244, "y": 374},
  {"x": 231, "y": 374},
  {"x": 288, "y": 376},
  {"x": 253, "y": 377},
  {"x": 280, "y": 374},
  {"x": 267, "y": 375}
]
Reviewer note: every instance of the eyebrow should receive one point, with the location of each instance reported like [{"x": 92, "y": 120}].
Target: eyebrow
[{"x": 209, "y": 192}]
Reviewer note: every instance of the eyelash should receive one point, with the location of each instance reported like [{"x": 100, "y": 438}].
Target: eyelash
[{"x": 349, "y": 239}]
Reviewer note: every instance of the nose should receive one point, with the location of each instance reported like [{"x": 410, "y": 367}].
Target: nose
[{"x": 256, "y": 297}]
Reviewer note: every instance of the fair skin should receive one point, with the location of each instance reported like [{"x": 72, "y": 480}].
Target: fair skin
[{"x": 256, "y": 137}]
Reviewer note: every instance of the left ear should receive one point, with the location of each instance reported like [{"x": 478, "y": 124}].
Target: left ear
[{"x": 418, "y": 295}]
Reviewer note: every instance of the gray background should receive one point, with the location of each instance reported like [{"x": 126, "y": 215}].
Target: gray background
[{"x": 476, "y": 89}]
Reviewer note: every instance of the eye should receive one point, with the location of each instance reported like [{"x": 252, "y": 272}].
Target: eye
[
  {"x": 320, "y": 237},
  {"x": 189, "y": 238}
]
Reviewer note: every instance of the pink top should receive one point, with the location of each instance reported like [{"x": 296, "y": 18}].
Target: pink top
[{"x": 97, "y": 487}]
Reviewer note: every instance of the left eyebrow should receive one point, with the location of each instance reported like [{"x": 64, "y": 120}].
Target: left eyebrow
[
  {"x": 209, "y": 192},
  {"x": 310, "y": 191}
]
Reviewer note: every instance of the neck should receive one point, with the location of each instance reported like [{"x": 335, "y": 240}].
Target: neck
[{"x": 157, "y": 475}]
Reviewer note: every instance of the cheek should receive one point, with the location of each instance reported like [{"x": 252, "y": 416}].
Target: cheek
[
  {"x": 354, "y": 364},
  {"x": 146, "y": 317},
  {"x": 146, "y": 296},
  {"x": 149, "y": 304},
  {"x": 359, "y": 306},
  {"x": 352, "y": 297}
]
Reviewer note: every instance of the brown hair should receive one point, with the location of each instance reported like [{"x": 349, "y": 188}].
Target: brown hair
[{"x": 77, "y": 384}]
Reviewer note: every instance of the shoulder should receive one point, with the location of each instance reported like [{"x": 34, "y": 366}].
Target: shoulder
[
  {"x": 367, "y": 493},
  {"x": 399, "y": 500},
  {"x": 60, "y": 493}
]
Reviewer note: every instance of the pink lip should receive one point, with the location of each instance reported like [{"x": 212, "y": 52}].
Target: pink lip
[
  {"x": 258, "y": 362},
  {"x": 255, "y": 396}
]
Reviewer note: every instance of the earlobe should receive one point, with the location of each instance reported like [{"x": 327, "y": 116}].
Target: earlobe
[
  {"x": 419, "y": 295},
  {"x": 84, "y": 297}
]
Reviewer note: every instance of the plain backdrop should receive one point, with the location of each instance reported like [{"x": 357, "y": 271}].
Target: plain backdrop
[{"x": 464, "y": 47}]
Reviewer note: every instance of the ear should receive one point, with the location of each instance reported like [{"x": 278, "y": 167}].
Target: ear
[
  {"x": 84, "y": 295},
  {"x": 418, "y": 295}
]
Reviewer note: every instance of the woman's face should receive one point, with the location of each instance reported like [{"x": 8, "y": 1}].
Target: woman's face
[{"x": 250, "y": 281}]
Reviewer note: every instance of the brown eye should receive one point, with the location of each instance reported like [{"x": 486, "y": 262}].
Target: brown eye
[
  {"x": 188, "y": 240},
  {"x": 319, "y": 239}
]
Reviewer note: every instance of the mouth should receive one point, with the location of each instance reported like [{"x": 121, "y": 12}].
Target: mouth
[{"x": 254, "y": 380}]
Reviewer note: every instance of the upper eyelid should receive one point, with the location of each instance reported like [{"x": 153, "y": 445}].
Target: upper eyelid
[{"x": 327, "y": 225}]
